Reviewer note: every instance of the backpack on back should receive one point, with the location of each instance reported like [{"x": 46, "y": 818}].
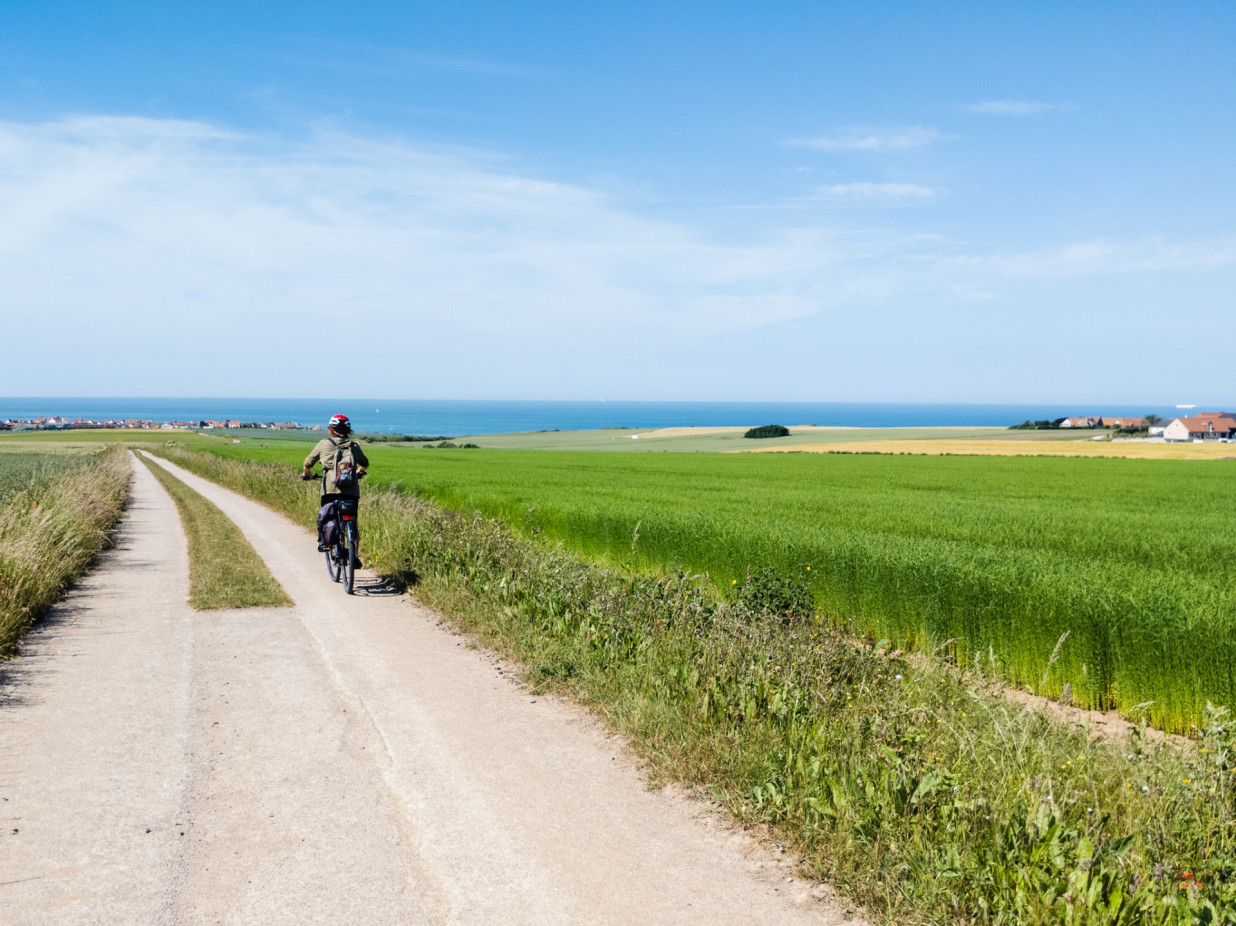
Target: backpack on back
[{"x": 345, "y": 468}]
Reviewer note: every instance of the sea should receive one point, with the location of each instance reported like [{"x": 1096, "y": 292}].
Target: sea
[{"x": 458, "y": 418}]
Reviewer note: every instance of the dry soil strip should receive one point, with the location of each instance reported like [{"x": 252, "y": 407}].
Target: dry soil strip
[{"x": 508, "y": 808}]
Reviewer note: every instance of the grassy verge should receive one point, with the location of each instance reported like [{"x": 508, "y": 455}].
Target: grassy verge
[
  {"x": 50, "y": 532},
  {"x": 914, "y": 788},
  {"x": 224, "y": 569}
]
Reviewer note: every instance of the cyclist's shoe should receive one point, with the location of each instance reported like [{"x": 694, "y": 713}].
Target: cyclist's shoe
[
  {"x": 356, "y": 562},
  {"x": 323, "y": 547}
]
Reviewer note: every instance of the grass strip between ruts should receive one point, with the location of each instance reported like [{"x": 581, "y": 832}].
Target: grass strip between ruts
[{"x": 224, "y": 569}]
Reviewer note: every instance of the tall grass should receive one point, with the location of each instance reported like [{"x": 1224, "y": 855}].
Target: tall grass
[
  {"x": 49, "y": 534},
  {"x": 1133, "y": 559},
  {"x": 911, "y": 787},
  {"x": 24, "y": 470}
]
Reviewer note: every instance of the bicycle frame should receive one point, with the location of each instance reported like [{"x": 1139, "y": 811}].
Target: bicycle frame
[{"x": 341, "y": 556}]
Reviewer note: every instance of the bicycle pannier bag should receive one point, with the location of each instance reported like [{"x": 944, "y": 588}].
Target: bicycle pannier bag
[{"x": 328, "y": 524}]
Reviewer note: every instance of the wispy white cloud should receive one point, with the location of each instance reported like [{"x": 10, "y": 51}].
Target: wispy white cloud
[
  {"x": 1099, "y": 257},
  {"x": 192, "y": 230},
  {"x": 869, "y": 139},
  {"x": 212, "y": 254},
  {"x": 876, "y": 193},
  {"x": 1015, "y": 107}
]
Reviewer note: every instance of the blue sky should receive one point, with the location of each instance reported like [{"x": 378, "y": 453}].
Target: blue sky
[{"x": 1015, "y": 202}]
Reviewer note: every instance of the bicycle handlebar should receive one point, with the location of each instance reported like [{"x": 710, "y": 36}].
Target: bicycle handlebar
[{"x": 306, "y": 477}]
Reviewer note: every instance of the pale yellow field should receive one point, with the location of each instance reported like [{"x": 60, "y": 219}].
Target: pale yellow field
[
  {"x": 696, "y": 432},
  {"x": 979, "y": 446}
]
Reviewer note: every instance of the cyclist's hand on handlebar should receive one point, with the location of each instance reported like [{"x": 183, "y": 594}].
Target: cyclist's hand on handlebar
[{"x": 305, "y": 477}]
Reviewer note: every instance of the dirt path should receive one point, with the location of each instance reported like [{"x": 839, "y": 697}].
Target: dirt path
[{"x": 342, "y": 761}]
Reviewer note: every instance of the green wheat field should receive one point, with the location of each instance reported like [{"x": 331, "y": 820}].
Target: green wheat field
[{"x": 994, "y": 559}]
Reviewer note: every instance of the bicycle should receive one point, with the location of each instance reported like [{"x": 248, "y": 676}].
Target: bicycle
[{"x": 341, "y": 555}]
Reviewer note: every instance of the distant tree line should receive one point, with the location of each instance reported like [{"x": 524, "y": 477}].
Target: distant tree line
[
  {"x": 1041, "y": 425},
  {"x": 1045, "y": 425}
]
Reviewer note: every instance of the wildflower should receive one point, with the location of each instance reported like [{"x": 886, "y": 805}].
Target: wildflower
[{"x": 1185, "y": 781}]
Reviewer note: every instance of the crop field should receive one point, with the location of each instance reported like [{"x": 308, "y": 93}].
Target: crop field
[
  {"x": 22, "y": 469},
  {"x": 989, "y": 558},
  {"x": 1012, "y": 446}
]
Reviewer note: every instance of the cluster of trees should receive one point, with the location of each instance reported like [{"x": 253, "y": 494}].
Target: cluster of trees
[
  {"x": 1041, "y": 425},
  {"x": 1045, "y": 425},
  {"x": 769, "y": 430}
]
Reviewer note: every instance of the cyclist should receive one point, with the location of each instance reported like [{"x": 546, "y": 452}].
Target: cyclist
[{"x": 333, "y": 452}]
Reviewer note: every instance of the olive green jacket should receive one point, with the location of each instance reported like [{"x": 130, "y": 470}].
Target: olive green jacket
[{"x": 327, "y": 451}]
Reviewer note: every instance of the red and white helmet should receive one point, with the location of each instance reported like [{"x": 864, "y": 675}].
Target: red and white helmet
[{"x": 340, "y": 423}]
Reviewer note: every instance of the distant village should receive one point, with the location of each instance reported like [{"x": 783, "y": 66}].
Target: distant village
[
  {"x": 141, "y": 424},
  {"x": 1204, "y": 426}
]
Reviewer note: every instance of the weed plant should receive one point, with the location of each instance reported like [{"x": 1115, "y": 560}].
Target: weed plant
[
  {"x": 1133, "y": 559},
  {"x": 51, "y": 530},
  {"x": 915, "y": 788}
]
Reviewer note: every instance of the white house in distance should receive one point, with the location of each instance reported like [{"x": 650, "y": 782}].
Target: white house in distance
[
  {"x": 1080, "y": 423},
  {"x": 1206, "y": 426}
]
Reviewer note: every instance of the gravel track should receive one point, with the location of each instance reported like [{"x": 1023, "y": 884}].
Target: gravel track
[{"x": 344, "y": 761}]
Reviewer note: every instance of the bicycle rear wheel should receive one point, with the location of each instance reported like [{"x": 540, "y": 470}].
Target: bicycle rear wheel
[
  {"x": 348, "y": 566},
  {"x": 332, "y": 567}
]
